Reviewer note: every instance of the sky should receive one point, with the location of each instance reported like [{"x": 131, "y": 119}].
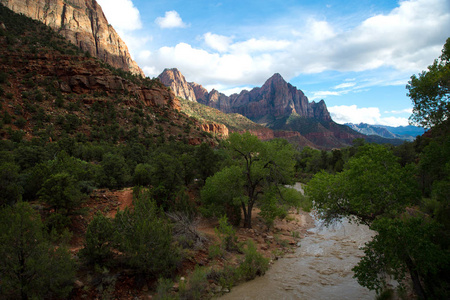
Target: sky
[{"x": 357, "y": 55}]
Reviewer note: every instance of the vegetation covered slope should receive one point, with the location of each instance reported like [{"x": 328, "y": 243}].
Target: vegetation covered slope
[{"x": 49, "y": 89}]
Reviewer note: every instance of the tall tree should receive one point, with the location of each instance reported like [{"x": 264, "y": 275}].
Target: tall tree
[
  {"x": 377, "y": 191},
  {"x": 430, "y": 92},
  {"x": 257, "y": 167}
]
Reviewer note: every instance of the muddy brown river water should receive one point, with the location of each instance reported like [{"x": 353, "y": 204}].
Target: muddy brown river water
[{"x": 319, "y": 269}]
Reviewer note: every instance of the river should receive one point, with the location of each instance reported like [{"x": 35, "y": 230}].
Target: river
[{"x": 319, "y": 269}]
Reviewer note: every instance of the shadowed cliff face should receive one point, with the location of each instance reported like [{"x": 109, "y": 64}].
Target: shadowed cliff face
[
  {"x": 84, "y": 24},
  {"x": 276, "y": 98}
]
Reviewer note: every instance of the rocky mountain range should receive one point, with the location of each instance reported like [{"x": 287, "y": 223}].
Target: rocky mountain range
[
  {"x": 84, "y": 24},
  {"x": 277, "y": 105},
  {"x": 276, "y": 98},
  {"x": 407, "y": 133}
]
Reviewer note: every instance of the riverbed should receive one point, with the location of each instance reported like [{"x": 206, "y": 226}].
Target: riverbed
[{"x": 319, "y": 269}]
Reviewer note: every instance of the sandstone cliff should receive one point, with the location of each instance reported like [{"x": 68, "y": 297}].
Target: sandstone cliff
[
  {"x": 215, "y": 128},
  {"x": 175, "y": 80},
  {"x": 84, "y": 24},
  {"x": 276, "y": 98}
]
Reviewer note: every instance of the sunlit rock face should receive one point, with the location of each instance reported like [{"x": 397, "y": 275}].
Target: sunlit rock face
[{"x": 84, "y": 24}]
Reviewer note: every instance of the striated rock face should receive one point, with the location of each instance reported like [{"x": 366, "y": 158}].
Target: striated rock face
[
  {"x": 215, "y": 128},
  {"x": 84, "y": 24},
  {"x": 276, "y": 98},
  {"x": 177, "y": 83}
]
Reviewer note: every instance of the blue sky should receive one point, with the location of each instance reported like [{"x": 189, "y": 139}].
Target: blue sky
[{"x": 356, "y": 55}]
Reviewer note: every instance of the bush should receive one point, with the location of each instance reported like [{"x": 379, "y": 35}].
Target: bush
[
  {"x": 227, "y": 235},
  {"x": 254, "y": 263},
  {"x": 163, "y": 290},
  {"x": 31, "y": 267},
  {"x": 196, "y": 286},
  {"x": 99, "y": 237},
  {"x": 145, "y": 239},
  {"x": 61, "y": 192}
]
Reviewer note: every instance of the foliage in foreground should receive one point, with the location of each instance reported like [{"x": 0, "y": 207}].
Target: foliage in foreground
[
  {"x": 142, "y": 236},
  {"x": 31, "y": 266}
]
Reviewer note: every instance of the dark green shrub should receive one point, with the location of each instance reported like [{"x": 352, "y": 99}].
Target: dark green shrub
[
  {"x": 10, "y": 188},
  {"x": 31, "y": 267},
  {"x": 227, "y": 235},
  {"x": 21, "y": 122},
  {"x": 144, "y": 237},
  {"x": 196, "y": 286},
  {"x": 3, "y": 77},
  {"x": 254, "y": 263},
  {"x": 61, "y": 192},
  {"x": 99, "y": 240},
  {"x": 7, "y": 118}
]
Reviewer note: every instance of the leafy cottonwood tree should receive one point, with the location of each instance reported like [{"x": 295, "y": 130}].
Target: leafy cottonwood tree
[
  {"x": 372, "y": 184},
  {"x": 256, "y": 168},
  {"x": 375, "y": 189},
  {"x": 430, "y": 92}
]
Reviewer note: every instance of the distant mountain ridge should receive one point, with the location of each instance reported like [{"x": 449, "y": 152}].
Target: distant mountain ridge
[
  {"x": 276, "y": 104},
  {"x": 407, "y": 133},
  {"x": 276, "y": 98}
]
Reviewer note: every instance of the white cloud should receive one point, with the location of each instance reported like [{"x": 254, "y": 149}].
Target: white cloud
[
  {"x": 217, "y": 42},
  {"x": 370, "y": 115},
  {"x": 122, "y": 14},
  {"x": 170, "y": 20},
  {"x": 407, "y": 39},
  {"x": 345, "y": 85},
  {"x": 398, "y": 112}
]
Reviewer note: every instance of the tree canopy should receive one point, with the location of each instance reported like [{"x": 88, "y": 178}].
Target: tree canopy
[
  {"x": 255, "y": 168},
  {"x": 430, "y": 92}
]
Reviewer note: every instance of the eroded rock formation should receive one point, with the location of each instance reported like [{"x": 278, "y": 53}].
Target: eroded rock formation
[{"x": 84, "y": 24}]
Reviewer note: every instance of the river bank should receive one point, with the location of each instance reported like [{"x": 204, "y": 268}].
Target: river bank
[{"x": 319, "y": 269}]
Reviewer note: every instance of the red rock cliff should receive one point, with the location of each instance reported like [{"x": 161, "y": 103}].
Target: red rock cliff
[{"x": 84, "y": 24}]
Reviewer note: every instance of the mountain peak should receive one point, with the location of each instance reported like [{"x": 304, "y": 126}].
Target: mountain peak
[
  {"x": 276, "y": 78},
  {"x": 177, "y": 83},
  {"x": 84, "y": 24}
]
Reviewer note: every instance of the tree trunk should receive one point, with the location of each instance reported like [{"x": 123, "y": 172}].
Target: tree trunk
[
  {"x": 248, "y": 217},
  {"x": 415, "y": 279}
]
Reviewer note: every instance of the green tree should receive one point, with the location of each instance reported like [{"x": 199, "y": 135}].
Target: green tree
[
  {"x": 99, "y": 240},
  {"x": 430, "y": 92},
  {"x": 166, "y": 178},
  {"x": 406, "y": 245},
  {"x": 30, "y": 266},
  {"x": 206, "y": 161},
  {"x": 144, "y": 237},
  {"x": 115, "y": 171},
  {"x": 10, "y": 188},
  {"x": 376, "y": 190},
  {"x": 372, "y": 184},
  {"x": 61, "y": 192},
  {"x": 256, "y": 168}
]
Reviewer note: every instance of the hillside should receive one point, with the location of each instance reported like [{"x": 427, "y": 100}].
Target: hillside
[
  {"x": 52, "y": 89},
  {"x": 83, "y": 23},
  {"x": 278, "y": 107}
]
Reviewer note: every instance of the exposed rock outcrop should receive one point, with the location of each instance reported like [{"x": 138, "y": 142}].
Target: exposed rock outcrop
[
  {"x": 276, "y": 98},
  {"x": 84, "y": 24},
  {"x": 81, "y": 75},
  {"x": 215, "y": 128},
  {"x": 177, "y": 83}
]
